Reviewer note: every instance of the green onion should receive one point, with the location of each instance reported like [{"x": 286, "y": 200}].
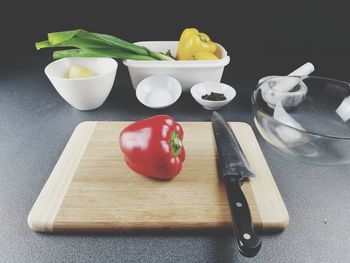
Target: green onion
[
  {"x": 73, "y": 42},
  {"x": 89, "y": 44},
  {"x": 99, "y": 52}
]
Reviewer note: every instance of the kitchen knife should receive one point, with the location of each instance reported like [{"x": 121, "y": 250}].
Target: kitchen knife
[{"x": 233, "y": 168}]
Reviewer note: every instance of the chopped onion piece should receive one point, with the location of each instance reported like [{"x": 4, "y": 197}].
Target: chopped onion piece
[
  {"x": 343, "y": 110},
  {"x": 287, "y": 134}
]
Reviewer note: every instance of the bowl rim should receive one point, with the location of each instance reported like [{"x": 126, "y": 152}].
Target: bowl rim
[
  {"x": 113, "y": 68},
  {"x": 253, "y": 102},
  {"x": 177, "y": 92}
]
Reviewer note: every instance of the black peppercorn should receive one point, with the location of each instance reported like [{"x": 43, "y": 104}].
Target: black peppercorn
[{"x": 214, "y": 96}]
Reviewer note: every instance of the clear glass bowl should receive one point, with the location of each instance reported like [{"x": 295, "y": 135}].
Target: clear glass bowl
[{"x": 307, "y": 125}]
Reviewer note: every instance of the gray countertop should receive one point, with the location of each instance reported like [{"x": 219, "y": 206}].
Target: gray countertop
[{"x": 36, "y": 124}]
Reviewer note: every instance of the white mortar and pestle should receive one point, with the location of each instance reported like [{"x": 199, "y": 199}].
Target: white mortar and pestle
[
  {"x": 285, "y": 92},
  {"x": 289, "y": 90}
]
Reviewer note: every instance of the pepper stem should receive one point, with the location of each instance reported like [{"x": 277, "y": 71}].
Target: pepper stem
[{"x": 176, "y": 144}]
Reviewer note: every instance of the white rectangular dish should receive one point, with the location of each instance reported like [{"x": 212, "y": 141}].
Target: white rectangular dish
[{"x": 187, "y": 72}]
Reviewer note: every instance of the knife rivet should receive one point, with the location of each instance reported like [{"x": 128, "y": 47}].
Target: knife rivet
[
  {"x": 239, "y": 204},
  {"x": 246, "y": 236}
]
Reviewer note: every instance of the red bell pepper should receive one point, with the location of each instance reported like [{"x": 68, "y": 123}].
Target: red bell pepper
[{"x": 153, "y": 147}]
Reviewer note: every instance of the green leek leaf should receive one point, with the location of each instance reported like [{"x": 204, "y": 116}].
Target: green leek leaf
[
  {"x": 96, "y": 44},
  {"x": 112, "y": 53}
]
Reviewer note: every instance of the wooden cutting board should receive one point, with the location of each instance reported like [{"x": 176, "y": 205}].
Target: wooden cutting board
[{"x": 91, "y": 188}]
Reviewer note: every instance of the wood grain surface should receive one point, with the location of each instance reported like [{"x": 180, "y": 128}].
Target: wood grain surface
[{"x": 91, "y": 188}]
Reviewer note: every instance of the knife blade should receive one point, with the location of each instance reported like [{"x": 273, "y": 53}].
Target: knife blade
[{"x": 233, "y": 168}]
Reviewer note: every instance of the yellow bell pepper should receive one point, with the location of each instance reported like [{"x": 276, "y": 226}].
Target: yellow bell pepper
[
  {"x": 204, "y": 55},
  {"x": 191, "y": 42}
]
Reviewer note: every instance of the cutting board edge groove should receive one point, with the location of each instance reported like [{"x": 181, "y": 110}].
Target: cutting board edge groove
[
  {"x": 36, "y": 221},
  {"x": 281, "y": 220}
]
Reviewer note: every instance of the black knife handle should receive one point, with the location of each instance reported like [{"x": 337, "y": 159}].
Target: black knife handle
[{"x": 248, "y": 242}]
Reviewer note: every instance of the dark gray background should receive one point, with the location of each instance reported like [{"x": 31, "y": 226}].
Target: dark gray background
[
  {"x": 261, "y": 39},
  {"x": 291, "y": 31}
]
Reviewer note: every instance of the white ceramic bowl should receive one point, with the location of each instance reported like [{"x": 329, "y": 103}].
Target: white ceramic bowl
[
  {"x": 158, "y": 91},
  {"x": 201, "y": 89},
  {"x": 187, "y": 72},
  {"x": 85, "y": 93}
]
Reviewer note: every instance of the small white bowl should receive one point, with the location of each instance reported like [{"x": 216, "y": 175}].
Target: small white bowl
[
  {"x": 204, "y": 88},
  {"x": 85, "y": 93},
  {"x": 158, "y": 91}
]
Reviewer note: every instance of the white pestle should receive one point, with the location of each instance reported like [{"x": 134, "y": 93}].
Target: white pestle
[
  {"x": 284, "y": 84},
  {"x": 304, "y": 70}
]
